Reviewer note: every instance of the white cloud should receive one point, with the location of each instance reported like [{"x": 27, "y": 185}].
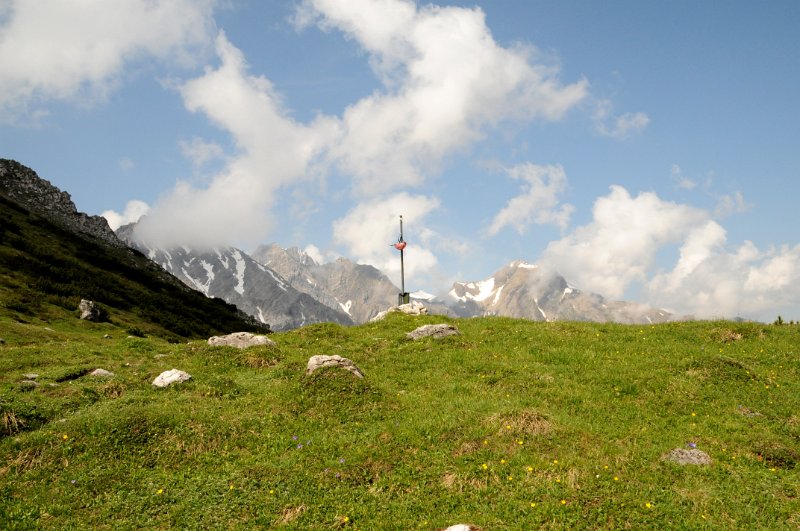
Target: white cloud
[
  {"x": 200, "y": 152},
  {"x": 369, "y": 230},
  {"x": 539, "y": 201},
  {"x": 446, "y": 81},
  {"x": 134, "y": 210},
  {"x": 731, "y": 204},
  {"x": 681, "y": 181},
  {"x": 619, "y": 246},
  {"x": 77, "y": 49},
  {"x": 273, "y": 151},
  {"x": 619, "y": 127}
]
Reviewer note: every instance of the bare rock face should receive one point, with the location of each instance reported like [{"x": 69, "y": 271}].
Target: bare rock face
[
  {"x": 240, "y": 340},
  {"x": 24, "y": 186},
  {"x": 433, "y": 330},
  {"x": 90, "y": 311},
  {"x": 167, "y": 378},
  {"x": 683, "y": 456},
  {"x": 320, "y": 361}
]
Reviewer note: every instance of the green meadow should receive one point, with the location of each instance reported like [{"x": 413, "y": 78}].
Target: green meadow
[{"x": 510, "y": 425}]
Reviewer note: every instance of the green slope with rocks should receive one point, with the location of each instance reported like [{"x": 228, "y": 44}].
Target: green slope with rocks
[{"x": 510, "y": 425}]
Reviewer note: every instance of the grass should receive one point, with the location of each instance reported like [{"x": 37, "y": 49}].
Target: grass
[{"x": 511, "y": 425}]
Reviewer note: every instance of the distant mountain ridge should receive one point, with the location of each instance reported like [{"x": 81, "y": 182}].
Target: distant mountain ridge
[
  {"x": 234, "y": 276},
  {"x": 361, "y": 291},
  {"x": 529, "y": 291}
]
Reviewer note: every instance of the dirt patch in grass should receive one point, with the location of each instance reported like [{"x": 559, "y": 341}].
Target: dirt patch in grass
[
  {"x": 289, "y": 514},
  {"x": 529, "y": 423}
]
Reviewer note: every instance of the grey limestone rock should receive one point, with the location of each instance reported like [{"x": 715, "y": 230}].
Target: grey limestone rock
[
  {"x": 240, "y": 340},
  {"x": 433, "y": 330},
  {"x": 320, "y": 361},
  {"x": 684, "y": 456},
  {"x": 101, "y": 373}
]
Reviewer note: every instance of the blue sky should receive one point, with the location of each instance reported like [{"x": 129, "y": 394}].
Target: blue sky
[{"x": 645, "y": 150}]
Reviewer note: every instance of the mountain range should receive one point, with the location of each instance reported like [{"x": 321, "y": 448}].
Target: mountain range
[{"x": 285, "y": 288}]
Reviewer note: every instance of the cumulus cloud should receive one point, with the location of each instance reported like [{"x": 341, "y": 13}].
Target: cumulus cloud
[
  {"x": 710, "y": 278},
  {"x": 621, "y": 126},
  {"x": 134, "y": 210},
  {"x": 445, "y": 82},
  {"x": 368, "y": 231},
  {"x": 56, "y": 49},
  {"x": 273, "y": 150},
  {"x": 539, "y": 201},
  {"x": 619, "y": 246}
]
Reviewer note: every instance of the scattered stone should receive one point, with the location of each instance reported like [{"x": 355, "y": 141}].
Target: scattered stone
[
  {"x": 107, "y": 336},
  {"x": 2, "y": 341},
  {"x": 101, "y": 373},
  {"x": 30, "y": 375},
  {"x": 320, "y": 361},
  {"x": 682, "y": 456},
  {"x": 412, "y": 308},
  {"x": 90, "y": 311},
  {"x": 747, "y": 412},
  {"x": 433, "y": 330},
  {"x": 29, "y": 384},
  {"x": 462, "y": 527},
  {"x": 240, "y": 340},
  {"x": 170, "y": 377}
]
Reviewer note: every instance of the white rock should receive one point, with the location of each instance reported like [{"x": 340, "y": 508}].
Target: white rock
[
  {"x": 412, "y": 308},
  {"x": 461, "y": 527},
  {"x": 319, "y": 361},
  {"x": 170, "y": 377},
  {"x": 101, "y": 373},
  {"x": 240, "y": 340}
]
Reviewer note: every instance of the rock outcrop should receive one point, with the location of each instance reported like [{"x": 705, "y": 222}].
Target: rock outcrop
[
  {"x": 435, "y": 331},
  {"x": 240, "y": 340},
  {"x": 690, "y": 456},
  {"x": 412, "y": 308},
  {"x": 24, "y": 186},
  {"x": 321, "y": 361}
]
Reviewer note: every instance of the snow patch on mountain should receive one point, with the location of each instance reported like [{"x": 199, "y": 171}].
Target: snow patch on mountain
[
  {"x": 346, "y": 307},
  {"x": 241, "y": 266}
]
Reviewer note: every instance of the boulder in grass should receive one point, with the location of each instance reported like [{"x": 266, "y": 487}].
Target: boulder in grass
[
  {"x": 433, "y": 330},
  {"x": 240, "y": 340},
  {"x": 101, "y": 373},
  {"x": 91, "y": 312},
  {"x": 684, "y": 456},
  {"x": 411, "y": 308},
  {"x": 170, "y": 377},
  {"x": 320, "y": 361}
]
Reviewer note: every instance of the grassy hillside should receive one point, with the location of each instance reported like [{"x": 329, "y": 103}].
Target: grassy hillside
[
  {"x": 45, "y": 270},
  {"x": 511, "y": 425}
]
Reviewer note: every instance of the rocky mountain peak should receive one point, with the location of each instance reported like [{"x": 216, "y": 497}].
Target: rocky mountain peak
[{"x": 22, "y": 185}]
